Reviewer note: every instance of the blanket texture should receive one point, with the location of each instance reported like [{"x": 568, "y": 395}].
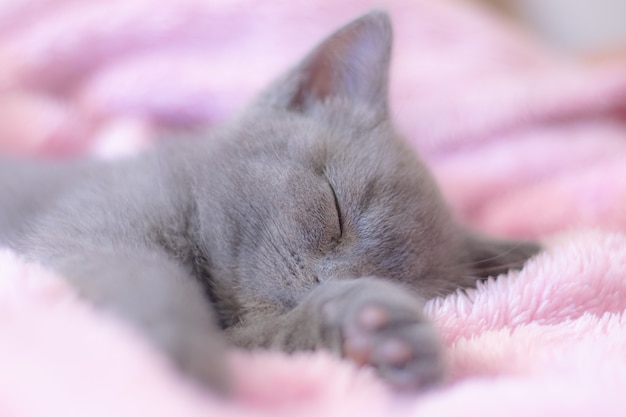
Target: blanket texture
[{"x": 523, "y": 142}]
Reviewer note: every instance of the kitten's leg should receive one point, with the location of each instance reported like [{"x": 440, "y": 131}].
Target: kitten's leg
[
  {"x": 159, "y": 298},
  {"x": 367, "y": 320}
]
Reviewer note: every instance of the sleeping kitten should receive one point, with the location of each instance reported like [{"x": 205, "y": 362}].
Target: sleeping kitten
[{"x": 304, "y": 224}]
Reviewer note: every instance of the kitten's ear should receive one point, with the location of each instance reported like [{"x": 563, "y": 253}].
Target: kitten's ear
[
  {"x": 492, "y": 257},
  {"x": 352, "y": 64}
]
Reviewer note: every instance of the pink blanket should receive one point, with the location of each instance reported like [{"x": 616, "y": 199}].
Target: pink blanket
[{"x": 524, "y": 143}]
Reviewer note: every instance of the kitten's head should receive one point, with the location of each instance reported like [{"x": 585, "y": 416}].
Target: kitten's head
[{"x": 312, "y": 183}]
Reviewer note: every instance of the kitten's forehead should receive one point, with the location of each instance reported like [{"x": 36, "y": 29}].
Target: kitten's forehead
[{"x": 338, "y": 126}]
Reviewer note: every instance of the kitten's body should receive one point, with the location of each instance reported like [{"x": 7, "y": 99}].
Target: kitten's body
[{"x": 267, "y": 226}]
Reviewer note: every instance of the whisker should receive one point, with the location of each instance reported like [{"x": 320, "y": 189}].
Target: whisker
[
  {"x": 491, "y": 258},
  {"x": 511, "y": 265}
]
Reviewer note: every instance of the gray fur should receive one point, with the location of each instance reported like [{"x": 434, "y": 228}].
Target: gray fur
[{"x": 239, "y": 229}]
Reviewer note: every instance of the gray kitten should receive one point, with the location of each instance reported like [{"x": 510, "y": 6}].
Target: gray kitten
[{"x": 304, "y": 224}]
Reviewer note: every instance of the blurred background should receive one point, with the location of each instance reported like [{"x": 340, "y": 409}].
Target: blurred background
[
  {"x": 105, "y": 67},
  {"x": 595, "y": 28}
]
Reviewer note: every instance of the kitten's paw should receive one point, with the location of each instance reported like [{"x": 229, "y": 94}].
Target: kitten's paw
[
  {"x": 383, "y": 327},
  {"x": 198, "y": 350},
  {"x": 203, "y": 358}
]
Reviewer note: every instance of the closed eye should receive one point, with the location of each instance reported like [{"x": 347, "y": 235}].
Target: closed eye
[{"x": 339, "y": 218}]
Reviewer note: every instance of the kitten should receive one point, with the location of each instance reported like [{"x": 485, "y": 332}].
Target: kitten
[{"x": 304, "y": 224}]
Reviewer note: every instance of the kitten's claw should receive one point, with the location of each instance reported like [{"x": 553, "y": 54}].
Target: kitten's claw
[
  {"x": 403, "y": 349},
  {"x": 384, "y": 328}
]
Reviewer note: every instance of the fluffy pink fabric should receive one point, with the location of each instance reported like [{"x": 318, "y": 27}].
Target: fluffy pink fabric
[{"x": 523, "y": 142}]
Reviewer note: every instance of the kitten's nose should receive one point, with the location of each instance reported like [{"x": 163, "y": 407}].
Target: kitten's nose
[
  {"x": 336, "y": 277},
  {"x": 337, "y": 271}
]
